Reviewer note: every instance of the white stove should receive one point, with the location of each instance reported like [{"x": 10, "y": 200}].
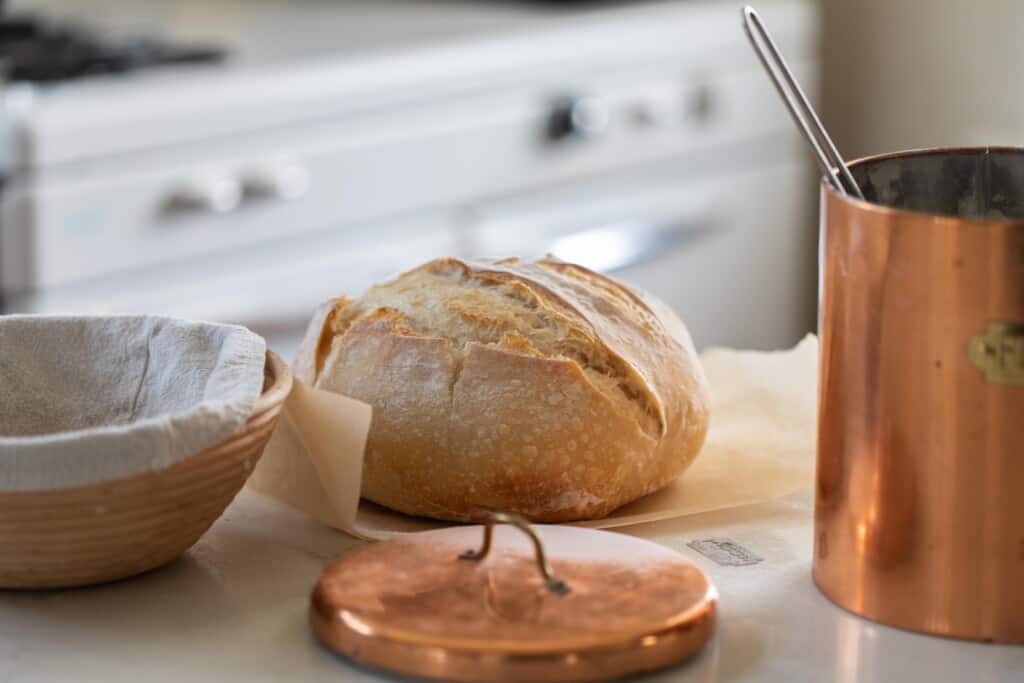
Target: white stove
[{"x": 331, "y": 144}]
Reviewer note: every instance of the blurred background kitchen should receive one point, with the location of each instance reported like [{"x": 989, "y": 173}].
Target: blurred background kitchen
[{"x": 242, "y": 160}]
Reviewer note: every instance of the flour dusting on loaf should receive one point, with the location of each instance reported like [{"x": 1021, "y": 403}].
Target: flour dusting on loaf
[{"x": 541, "y": 388}]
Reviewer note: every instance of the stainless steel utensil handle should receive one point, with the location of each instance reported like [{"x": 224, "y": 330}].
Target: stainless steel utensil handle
[{"x": 799, "y": 107}]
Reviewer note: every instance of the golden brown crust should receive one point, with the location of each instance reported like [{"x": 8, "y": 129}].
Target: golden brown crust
[
  {"x": 309, "y": 358},
  {"x": 539, "y": 388}
]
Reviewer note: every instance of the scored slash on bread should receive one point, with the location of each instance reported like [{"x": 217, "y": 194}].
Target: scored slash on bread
[{"x": 540, "y": 388}]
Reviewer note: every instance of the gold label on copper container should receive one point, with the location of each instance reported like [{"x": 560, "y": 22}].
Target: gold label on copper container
[{"x": 999, "y": 353}]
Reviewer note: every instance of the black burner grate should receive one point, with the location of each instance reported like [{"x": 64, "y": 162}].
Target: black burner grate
[{"x": 34, "y": 50}]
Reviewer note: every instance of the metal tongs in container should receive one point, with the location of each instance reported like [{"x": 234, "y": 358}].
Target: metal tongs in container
[{"x": 800, "y": 109}]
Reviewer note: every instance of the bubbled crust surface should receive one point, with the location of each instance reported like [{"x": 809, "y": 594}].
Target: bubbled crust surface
[{"x": 538, "y": 388}]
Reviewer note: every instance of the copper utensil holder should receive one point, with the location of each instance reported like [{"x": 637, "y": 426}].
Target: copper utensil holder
[{"x": 919, "y": 518}]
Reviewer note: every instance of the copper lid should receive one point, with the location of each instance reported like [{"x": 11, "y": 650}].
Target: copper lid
[{"x": 595, "y": 606}]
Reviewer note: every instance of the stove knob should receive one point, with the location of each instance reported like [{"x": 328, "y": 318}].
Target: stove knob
[
  {"x": 700, "y": 104},
  {"x": 578, "y": 117},
  {"x": 276, "y": 181},
  {"x": 206, "y": 193}
]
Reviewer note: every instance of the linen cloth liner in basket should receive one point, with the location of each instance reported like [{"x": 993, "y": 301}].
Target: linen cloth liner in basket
[{"x": 89, "y": 399}]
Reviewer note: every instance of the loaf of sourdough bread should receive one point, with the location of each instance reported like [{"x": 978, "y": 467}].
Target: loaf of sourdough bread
[{"x": 538, "y": 388}]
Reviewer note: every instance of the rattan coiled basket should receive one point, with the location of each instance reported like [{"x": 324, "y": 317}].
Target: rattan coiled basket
[{"x": 108, "y": 531}]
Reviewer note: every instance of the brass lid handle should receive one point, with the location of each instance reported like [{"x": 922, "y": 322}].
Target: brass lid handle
[{"x": 554, "y": 584}]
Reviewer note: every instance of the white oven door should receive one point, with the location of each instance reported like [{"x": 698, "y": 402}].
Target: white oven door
[{"x": 734, "y": 256}]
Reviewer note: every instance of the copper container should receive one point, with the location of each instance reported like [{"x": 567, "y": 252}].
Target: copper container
[{"x": 919, "y": 515}]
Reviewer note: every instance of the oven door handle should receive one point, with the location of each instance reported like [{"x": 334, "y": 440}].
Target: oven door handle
[{"x": 616, "y": 246}]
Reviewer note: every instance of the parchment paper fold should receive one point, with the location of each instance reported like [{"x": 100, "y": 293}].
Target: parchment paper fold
[{"x": 760, "y": 447}]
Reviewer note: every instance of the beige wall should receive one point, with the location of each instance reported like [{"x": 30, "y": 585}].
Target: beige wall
[{"x": 901, "y": 74}]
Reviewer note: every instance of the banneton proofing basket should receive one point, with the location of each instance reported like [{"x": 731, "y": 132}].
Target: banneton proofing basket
[
  {"x": 108, "y": 531},
  {"x": 919, "y": 514}
]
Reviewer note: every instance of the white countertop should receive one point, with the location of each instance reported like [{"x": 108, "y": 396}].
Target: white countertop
[{"x": 234, "y": 608}]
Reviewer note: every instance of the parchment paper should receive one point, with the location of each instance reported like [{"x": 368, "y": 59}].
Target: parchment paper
[{"x": 760, "y": 446}]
